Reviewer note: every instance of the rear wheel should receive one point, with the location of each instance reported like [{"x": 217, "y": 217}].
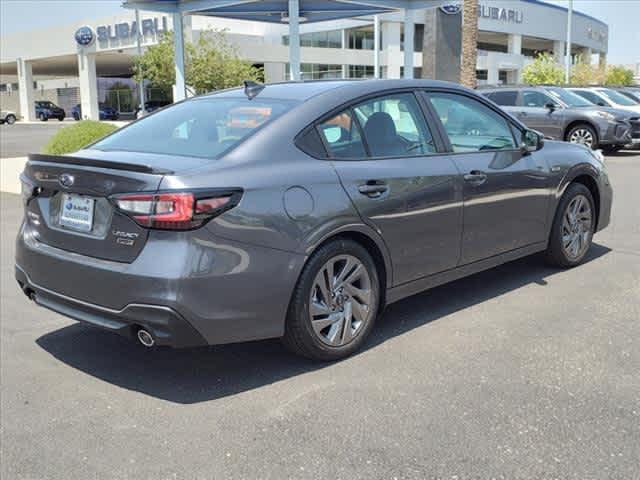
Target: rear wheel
[
  {"x": 60, "y": 118},
  {"x": 10, "y": 119},
  {"x": 583, "y": 134},
  {"x": 334, "y": 304},
  {"x": 43, "y": 117},
  {"x": 573, "y": 227},
  {"x": 76, "y": 117}
]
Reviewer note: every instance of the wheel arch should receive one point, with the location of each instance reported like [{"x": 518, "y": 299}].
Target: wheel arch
[
  {"x": 581, "y": 121},
  {"x": 372, "y": 242},
  {"x": 585, "y": 175}
]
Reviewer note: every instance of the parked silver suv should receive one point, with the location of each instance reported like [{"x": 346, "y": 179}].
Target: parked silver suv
[{"x": 562, "y": 115}]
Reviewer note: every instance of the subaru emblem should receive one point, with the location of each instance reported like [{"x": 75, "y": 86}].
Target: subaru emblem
[
  {"x": 452, "y": 9},
  {"x": 66, "y": 180}
]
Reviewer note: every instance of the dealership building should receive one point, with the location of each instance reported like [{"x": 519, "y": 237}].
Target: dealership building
[{"x": 90, "y": 62}]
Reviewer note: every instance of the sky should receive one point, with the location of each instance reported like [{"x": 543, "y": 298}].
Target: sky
[{"x": 20, "y": 15}]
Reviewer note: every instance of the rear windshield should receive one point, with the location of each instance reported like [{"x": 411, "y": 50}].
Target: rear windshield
[
  {"x": 205, "y": 127},
  {"x": 617, "y": 97}
]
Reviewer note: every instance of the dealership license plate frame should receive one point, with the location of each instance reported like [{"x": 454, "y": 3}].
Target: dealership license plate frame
[{"x": 79, "y": 223}]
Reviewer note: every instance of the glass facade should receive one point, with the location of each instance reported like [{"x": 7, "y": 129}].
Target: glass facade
[
  {"x": 360, "y": 38},
  {"x": 316, "y": 71},
  {"x": 328, "y": 39},
  {"x": 360, "y": 71}
]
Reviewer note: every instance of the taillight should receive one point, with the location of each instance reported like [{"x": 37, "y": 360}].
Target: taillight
[{"x": 175, "y": 210}]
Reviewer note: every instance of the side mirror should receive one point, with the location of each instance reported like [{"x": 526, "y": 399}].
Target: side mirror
[
  {"x": 551, "y": 106},
  {"x": 601, "y": 103},
  {"x": 532, "y": 141}
]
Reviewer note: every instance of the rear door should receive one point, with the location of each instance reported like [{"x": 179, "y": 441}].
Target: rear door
[
  {"x": 390, "y": 164},
  {"x": 535, "y": 114},
  {"x": 506, "y": 192}
]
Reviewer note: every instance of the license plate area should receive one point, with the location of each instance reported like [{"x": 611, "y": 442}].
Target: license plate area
[{"x": 76, "y": 212}]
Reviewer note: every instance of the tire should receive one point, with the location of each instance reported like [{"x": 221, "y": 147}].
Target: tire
[
  {"x": 563, "y": 233},
  {"x": 330, "y": 340},
  {"x": 60, "y": 119},
  {"x": 581, "y": 134},
  {"x": 43, "y": 117},
  {"x": 76, "y": 117},
  {"x": 10, "y": 119}
]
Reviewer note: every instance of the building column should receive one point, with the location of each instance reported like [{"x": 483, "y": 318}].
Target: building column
[
  {"x": 376, "y": 46},
  {"x": 558, "y": 51},
  {"x": 25, "y": 90},
  {"x": 88, "y": 85},
  {"x": 585, "y": 55},
  {"x": 391, "y": 47},
  {"x": 492, "y": 75},
  {"x": 602, "y": 59},
  {"x": 345, "y": 71},
  {"x": 294, "y": 39},
  {"x": 409, "y": 29},
  {"x": 515, "y": 44},
  {"x": 180, "y": 90}
]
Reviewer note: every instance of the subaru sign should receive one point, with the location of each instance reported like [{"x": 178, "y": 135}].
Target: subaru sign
[
  {"x": 452, "y": 9},
  {"x": 124, "y": 31},
  {"x": 84, "y": 36}
]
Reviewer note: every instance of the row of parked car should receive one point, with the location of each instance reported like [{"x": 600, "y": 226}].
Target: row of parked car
[{"x": 598, "y": 117}]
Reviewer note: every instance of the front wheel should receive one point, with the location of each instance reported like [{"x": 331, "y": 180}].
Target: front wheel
[
  {"x": 11, "y": 119},
  {"x": 60, "y": 119},
  {"x": 583, "y": 135},
  {"x": 573, "y": 227},
  {"x": 43, "y": 117},
  {"x": 334, "y": 304}
]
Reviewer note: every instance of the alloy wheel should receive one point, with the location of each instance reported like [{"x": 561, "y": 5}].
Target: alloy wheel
[
  {"x": 582, "y": 136},
  {"x": 340, "y": 303},
  {"x": 576, "y": 227}
]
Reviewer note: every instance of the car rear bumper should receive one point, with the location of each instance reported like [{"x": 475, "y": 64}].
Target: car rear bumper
[
  {"x": 187, "y": 288},
  {"x": 166, "y": 325}
]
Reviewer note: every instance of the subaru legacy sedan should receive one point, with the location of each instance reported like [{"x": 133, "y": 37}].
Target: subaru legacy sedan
[{"x": 297, "y": 211}]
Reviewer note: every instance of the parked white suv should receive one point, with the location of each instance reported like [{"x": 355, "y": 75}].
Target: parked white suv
[
  {"x": 607, "y": 98},
  {"x": 8, "y": 117}
]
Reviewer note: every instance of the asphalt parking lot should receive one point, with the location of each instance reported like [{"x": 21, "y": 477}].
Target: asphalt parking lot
[
  {"x": 520, "y": 372},
  {"x": 20, "y": 139}
]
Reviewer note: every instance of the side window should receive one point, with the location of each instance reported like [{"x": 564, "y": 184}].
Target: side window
[
  {"x": 470, "y": 125},
  {"x": 506, "y": 98},
  {"x": 342, "y": 136},
  {"x": 531, "y": 98},
  {"x": 592, "y": 97},
  {"x": 394, "y": 125}
]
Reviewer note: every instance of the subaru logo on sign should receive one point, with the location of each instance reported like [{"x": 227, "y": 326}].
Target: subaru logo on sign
[
  {"x": 84, "y": 36},
  {"x": 66, "y": 180},
  {"x": 451, "y": 9}
]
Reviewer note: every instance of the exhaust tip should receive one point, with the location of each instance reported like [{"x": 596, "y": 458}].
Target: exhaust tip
[{"x": 145, "y": 338}]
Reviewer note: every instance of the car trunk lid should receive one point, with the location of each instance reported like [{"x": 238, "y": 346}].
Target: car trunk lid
[{"x": 68, "y": 199}]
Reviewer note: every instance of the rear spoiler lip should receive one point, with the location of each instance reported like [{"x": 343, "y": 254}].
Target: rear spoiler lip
[{"x": 89, "y": 162}]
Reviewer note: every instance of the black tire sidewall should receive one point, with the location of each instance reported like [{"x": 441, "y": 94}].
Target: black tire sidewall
[
  {"x": 298, "y": 315},
  {"x": 11, "y": 119},
  {"x": 587, "y": 127},
  {"x": 556, "y": 252}
]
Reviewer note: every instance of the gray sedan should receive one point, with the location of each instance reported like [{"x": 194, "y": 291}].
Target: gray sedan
[
  {"x": 297, "y": 210},
  {"x": 562, "y": 115}
]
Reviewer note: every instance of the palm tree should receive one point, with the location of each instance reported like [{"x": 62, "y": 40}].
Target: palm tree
[{"x": 469, "y": 43}]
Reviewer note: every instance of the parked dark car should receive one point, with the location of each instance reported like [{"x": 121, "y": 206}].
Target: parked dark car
[
  {"x": 46, "y": 110},
  {"x": 105, "y": 112},
  {"x": 302, "y": 217},
  {"x": 151, "y": 106},
  {"x": 563, "y": 115}
]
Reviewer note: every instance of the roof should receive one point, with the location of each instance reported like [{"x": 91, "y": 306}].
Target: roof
[
  {"x": 277, "y": 11},
  {"x": 304, "y": 90}
]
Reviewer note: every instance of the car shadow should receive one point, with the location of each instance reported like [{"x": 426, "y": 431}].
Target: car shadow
[{"x": 189, "y": 376}]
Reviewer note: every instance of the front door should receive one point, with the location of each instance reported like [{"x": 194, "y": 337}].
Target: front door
[
  {"x": 388, "y": 163},
  {"x": 506, "y": 191}
]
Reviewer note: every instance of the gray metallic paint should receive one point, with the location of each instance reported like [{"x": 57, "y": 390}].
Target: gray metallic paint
[{"x": 232, "y": 279}]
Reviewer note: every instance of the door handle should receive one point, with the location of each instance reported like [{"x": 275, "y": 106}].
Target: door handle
[
  {"x": 373, "y": 189},
  {"x": 476, "y": 177},
  {"x": 524, "y": 114}
]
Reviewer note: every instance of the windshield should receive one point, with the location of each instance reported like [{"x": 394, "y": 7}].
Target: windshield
[
  {"x": 569, "y": 98},
  {"x": 204, "y": 127},
  {"x": 617, "y": 97}
]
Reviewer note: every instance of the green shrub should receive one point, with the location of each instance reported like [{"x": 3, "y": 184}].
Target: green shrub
[{"x": 73, "y": 138}]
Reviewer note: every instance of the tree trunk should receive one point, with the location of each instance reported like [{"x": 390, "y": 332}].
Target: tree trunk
[{"x": 469, "y": 43}]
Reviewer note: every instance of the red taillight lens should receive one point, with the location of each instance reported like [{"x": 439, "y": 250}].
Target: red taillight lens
[{"x": 174, "y": 211}]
